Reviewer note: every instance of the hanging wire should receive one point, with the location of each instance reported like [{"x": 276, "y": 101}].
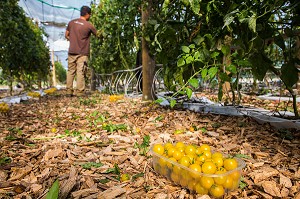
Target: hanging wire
[
  {"x": 72, "y": 14},
  {"x": 62, "y": 7},
  {"x": 28, "y": 9},
  {"x": 43, "y": 12}
]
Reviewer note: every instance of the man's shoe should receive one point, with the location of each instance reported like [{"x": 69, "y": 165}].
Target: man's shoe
[
  {"x": 80, "y": 94},
  {"x": 83, "y": 94},
  {"x": 69, "y": 93}
]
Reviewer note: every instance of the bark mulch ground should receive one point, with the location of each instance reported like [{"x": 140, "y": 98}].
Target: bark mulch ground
[{"x": 88, "y": 143}]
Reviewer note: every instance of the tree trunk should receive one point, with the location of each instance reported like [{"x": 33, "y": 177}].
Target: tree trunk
[
  {"x": 147, "y": 60},
  {"x": 53, "y": 70},
  {"x": 93, "y": 79},
  {"x": 11, "y": 79}
]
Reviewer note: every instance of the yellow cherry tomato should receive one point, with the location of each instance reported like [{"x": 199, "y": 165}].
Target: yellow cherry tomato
[
  {"x": 209, "y": 168},
  {"x": 230, "y": 164},
  {"x": 177, "y": 169},
  {"x": 228, "y": 184},
  {"x": 221, "y": 178},
  {"x": 190, "y": 150},
  {"x": 170, "y": 151},
  {"x": 196, "y": 171},
  {"x": 169, "y": 163},
  {"x": 185, "y": 161},
  {"x": 125, "y": 177},
  {"x": 205, "y": 147},
  {"x": 200, "y": 189},
  {"x": 168, "y": 145},
  {"x": 207, "y": 154},
  {"x": 235, "y": 175},
  {"x": 177, "y": 155},
  {"x": 158, "y": 148},
  {"x": 206, "y": 182},
  {"x": 217, "y": 191},
  {"x": 192, "y": 158},
  {"x": 217, "y": 155},
  {"x": 181, "y": 149},
  {"x": 162, "y": 162},
  {"x": 192, "y": 185},
  {"x": 218, "y": 161},
  {"x": 180, "y": 145},
  {"x": 175, "y": 177},
  {"x": 201, "y": 159}
]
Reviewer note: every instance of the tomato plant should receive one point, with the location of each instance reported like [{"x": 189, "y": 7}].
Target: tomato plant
[{"x": 24, "y": 54}]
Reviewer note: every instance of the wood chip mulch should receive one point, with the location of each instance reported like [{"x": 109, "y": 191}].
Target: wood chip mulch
[{"x": 87, "y": 143}]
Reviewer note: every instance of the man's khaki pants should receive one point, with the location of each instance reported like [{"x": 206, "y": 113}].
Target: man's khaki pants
[{"x": 77, "y": 65}]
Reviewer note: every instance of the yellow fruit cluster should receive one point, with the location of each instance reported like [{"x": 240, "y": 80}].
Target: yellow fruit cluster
[
  {"x": 4, "y": 108},
  {"x": 197, "y": 168},
  {"x": 50, "y": 91},
  {"x": 34, "y": 94},
  {"x": 113, "y": 98}
]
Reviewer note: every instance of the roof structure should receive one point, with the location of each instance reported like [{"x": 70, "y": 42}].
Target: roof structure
[{"x": 53, "y": 16}]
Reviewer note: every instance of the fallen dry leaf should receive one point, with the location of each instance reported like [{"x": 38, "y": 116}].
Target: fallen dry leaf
[
  {"x": 285, "y": 181},
  {"x": 263, "y": 174},
  {"x": 271, "y": 188}
]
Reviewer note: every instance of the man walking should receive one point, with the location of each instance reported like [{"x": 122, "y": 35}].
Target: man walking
[{"x": 78, "y": 33}]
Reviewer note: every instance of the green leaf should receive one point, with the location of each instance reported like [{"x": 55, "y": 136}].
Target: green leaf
[
  {"x": 189, "y": 92},
  {"x": 159, "y": 100},
  {"x": 252, "y": 23},
  {"x": 196, "y": 55},
  {"x": 194, "y": 82},
  {"x": 204, "y": 73},
  {"x": 5, "y": 160},
  {"x": 228, "y": 20},
  {"x": 260, "y": 65},
  {"x": 279, "y": 41},
  {"x": 189, "y": 59},
  {"x": 152, "y": 22},
  {"x": 243, "y": 16},
  {"x": 185, "y": 49},
  {"x": 224, "y": 77},
  {"x": 53, "y": 191},
  {"x": 89, "y": 165},
  {"x": 192, "y": 46},
  {"x": 243, "y": 63},
  {"x": 134, "y": 177},
  {"x": 243, "y": 185},
  {"x": 165, "y": 6},
  {"x": 225, "y": 50},
  {"x": 172, "y": 103},
  {"x": 289, "y": 74},
  {"x": 180, "y": 62},
  {"x": 195, "y": 5},
  {"x": 231, "y": 68},
  {"x": 212, "y": 71},
  {"x": 199, "y": 39},
  {"x": 220, "y": 92},
  {"x": 147, "y": 38},
  {"x": 214, "y": 54}
]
